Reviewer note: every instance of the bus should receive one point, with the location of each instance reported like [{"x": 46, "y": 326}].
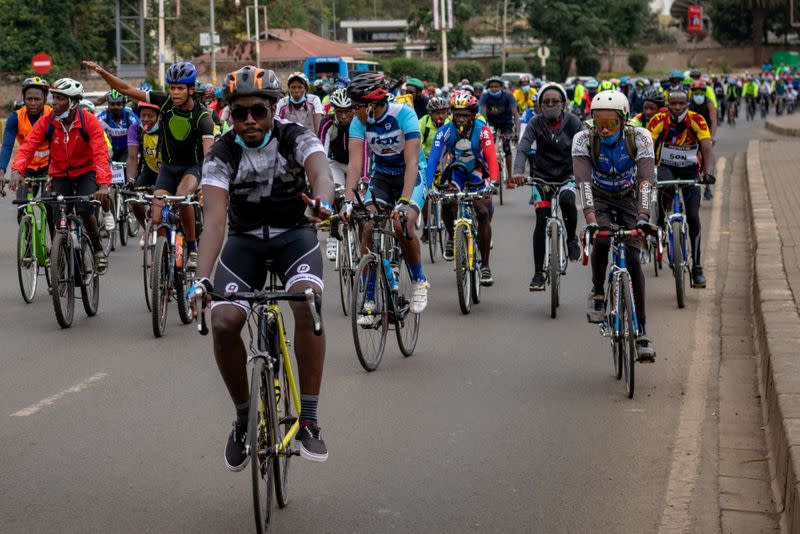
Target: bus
[{"x": 333, "y": 67}]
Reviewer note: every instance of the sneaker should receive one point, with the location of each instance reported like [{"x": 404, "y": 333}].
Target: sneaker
[
  {"x": 537, "y": 282},
  {"x": 486, "y": 276},
  {"x": 368, "y": 315},
  {"x": 698, "y": 280},
  {"x": 236, "y": 456},
  {"x": 707, "y": 194},
  {"x": 141, "y": 242},
  {"x": 191, "y": 261},
  {"x": 574, "y": 249},
  {"x": 644, "y": 349},
  {"x": 312, "y": 446},
  {"x": 108, "y": 221},
  {"x": 330, "y": 248},
  {"x": 419, "y": 296},
  {"x": 595, "y": 308},
  {"x": 101, "y": 261},
  {"x": 448, "y": 249},
  {"x": 424, "y": 237}
]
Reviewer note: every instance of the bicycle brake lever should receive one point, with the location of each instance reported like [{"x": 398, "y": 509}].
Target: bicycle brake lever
[{"x": 313, "y": 303}]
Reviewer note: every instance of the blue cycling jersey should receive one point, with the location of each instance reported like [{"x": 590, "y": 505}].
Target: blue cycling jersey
[
  {"x": 386, "y": 138},
  {"x": 118, "y": 131}
]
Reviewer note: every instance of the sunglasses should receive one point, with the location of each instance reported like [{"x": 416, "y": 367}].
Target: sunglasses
[
  {"x": 259, "y": 112},
  {"x": 607, "y": 123}
]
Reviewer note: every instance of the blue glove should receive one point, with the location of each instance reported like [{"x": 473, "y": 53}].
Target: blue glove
[{"x": 200, "y": 287}]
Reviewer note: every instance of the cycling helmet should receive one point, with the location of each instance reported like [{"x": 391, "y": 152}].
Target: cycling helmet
[
  {"x": 553, "y": 87},
  {"x": 695, "y": 74},
  {"x": 35, "y": 81},
  {"x": 652, "y": 94},
  {"x": 147, "y": 105},
  {"x": 687, "y": 82},
  {"x": 479, "y": 87},
  {"x": 115, "y": 97},
  {"x": 209, "y": 92},
  {"x": 87, "y": 104},
  {"x": 624, "y": 81},
  {"x": 467, "y": 87},
  {"x": 611, "y": 100},
  {"x": 464, "y": 100},
  {"x": 317, "y": 83},
  {"x": 607, "y": 85},
  {"x": 340, "y": 100},
  {"x": 218, "y": 92},
  {"x": 368, "y": 87},
  {"x": 676, "y": 75},
  {"x": 415, "y": 82},
  {"x": 68, "y": 87},
  {"x": 591, "y": 84},
  {"x": 524, "y": 80},
  {"x": 252, "y": 81},
  {"x": 182, "y": 72},
  {"x": 494, "y": 79},
  {"x": 437, "y": 103},
  {"x": 146, "y": 87},
  {"x": 699, "y": 84},
  {"x": 300, "y": 77}
]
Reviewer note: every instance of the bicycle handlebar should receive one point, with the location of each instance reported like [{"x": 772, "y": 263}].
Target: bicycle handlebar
[
  {"x": 677, "y": 182},
  {"x": 533, "y": 180},
  {"x": 366, "y": 215}
]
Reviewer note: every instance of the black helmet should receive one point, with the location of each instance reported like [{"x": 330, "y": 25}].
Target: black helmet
[
  {"x": 115, "y": 96},
  {"x": 252, "y": 81},
  {"x": 437, "y": 103},
  {"x": 695, "y": 74},
  {"x": 368, "y": 87},
  {"x": 652, "y": 94}
]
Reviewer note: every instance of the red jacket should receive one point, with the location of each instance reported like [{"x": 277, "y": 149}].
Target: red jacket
[{"x": 70, "y": 155}]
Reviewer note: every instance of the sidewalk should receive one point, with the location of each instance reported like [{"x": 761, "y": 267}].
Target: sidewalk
[{"x": 774, "y": 202}]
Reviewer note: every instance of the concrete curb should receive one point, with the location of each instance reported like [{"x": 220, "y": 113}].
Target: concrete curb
[
  {"x": 777, "y": 126},
  {"x": 777, "y": 340}
]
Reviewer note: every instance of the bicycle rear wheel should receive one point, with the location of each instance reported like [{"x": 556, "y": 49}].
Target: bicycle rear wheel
[
  {"x": 369, "y": 339},
  {"x": 678, "y": 259},
  {"x": 182, "y": 281},
  {"x": 628, "y": 335},
  {"x": 133, "y": 223},
  {"x": 63, "y": 282},
  {"x": 27, "y": 266},
  {"x": 406, "y": 324},
  {"x": 261, "y": 442},
  {"x": 160, "y": 286},
  {"x": 147, "y": 262},
  {"x": 463, "y": 275},
  {"x": 554, "y": 269},
  {"x": 90, "y": 289},
  {"x": 502, "y": 179}
]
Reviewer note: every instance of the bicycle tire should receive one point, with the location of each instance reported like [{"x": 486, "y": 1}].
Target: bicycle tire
[
  {"x": 502, "y": 162},
  {"x": 653, "y": 251},
  {"x": 261, "y": 442},
  {"x": 554, "y": 269},
  {"x": 432, "y": 234},
  {"x": 182, "y": 281},
  {"x": 476, "y": 279},
  {"x": 27, "y": 265},
  {"x": 147, "y": 262},
  {"x": 90, "y": 288},
  {"x": 159, "y": 286},
  {"x": 133, "y": 223},
  {"x": 628, "y": 341},
  {"x": 286, "y": 417},
  {"x": 463, "y": 278},
  {"x": 369, "y": 349},
  {"x": 344, "y": 268},
  {"x": 678, "y": 271},
  {"x": 407, "y": 324},
  {"x": 121, "y": 213},
  {"x": 112, "y": 236},
  {"x": 63, "y": 282}
]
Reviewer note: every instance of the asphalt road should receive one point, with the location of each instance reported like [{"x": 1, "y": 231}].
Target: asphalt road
[{"x": 503, "y": 420}]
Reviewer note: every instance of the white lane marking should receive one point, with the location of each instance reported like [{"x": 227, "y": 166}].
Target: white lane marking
[
  {"x": 685, "y": 464},
  {"x": 77, "y": 388}
]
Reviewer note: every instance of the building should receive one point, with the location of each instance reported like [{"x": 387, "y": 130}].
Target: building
[{"x": 381, "y": 36}]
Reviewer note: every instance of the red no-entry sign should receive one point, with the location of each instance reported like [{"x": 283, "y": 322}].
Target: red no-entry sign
[{"x": 42, "y": 63}]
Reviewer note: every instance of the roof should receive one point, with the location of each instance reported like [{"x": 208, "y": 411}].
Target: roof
[{"x": 285, "y": 45}]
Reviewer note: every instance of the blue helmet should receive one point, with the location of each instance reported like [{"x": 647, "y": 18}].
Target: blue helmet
[
  {"x": 146, "y": 87},
  {"x": 218, "y": 92},
  {"x": 591, "y": 84},
  {"x": 676, "y": 75},
  {"x": 182, "y": 72},
  {"x": 624, "y": 80}
]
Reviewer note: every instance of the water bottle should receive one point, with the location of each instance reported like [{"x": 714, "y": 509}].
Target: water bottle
[{"x": 387, "y": 267}]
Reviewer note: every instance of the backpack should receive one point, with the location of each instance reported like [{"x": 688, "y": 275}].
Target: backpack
[
  {"x": 48, "y": 134},
  {"x": 629, "y": 135}
]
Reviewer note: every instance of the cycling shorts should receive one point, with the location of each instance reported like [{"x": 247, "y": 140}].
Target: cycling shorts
[
  {"x": 505, "y": 133},
  {"x": 386, "y": 190},
  {"x": 294, "y": 254},
  {"x": 170, "y": 176},
  {"x": 83, "y": 185},
  {"x": 146, "y": 179},
  {"x": 618, "y": 210},
  {"x": 542, "y": 199}
]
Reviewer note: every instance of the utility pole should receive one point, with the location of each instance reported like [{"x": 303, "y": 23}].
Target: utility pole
[
  {"x": 445, "y": 77},
  {"x": 503, "y": 51},
  {"x": 161, "y": 44},
  {"x": 258, "y": 43},
  {"x": 213, "y": 48}
]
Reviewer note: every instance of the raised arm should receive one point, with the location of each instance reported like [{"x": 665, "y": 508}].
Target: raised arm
[{"x": 117, "y": 83}]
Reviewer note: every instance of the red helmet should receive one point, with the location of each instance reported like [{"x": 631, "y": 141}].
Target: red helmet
[
  {"x": 368, "y": 86},
  {"x": 699, "y": 84}
]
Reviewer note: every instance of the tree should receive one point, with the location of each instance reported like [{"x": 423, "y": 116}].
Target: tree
[
  {"x": 637, "y": 60},
  {"x": 741, "y": 21},
  {"x": 629, "y": 19}
]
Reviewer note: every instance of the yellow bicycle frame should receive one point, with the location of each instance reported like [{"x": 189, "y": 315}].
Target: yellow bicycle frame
[{"x": 470, "y": 243}]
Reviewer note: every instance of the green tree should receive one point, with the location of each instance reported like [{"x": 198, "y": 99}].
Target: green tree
[{"x": 629, "y": 19}]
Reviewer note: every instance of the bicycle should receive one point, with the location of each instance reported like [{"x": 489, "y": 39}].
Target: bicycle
[
  {"x": 137, "y": 197},
  {"x": 382, "y": 274},
  {"x": 72, "y": 262},
  {"x": 677, "y": 239},
  {"x": 347, "y": 254},
  {"x": 556, "y": 239},
  {"x": 621, "y": 325},
  {"x": 733, "y": 112},
  {"x": 751, "y": 108},
  {"x": 32, "y": 247},
  {"x": 434, "y": 226},
  {"x": 274, "y": 416},
  {"x": 501, "y": 162},
  {"x": 169, "y": 277},
  {"x": 127, "y": 225}
]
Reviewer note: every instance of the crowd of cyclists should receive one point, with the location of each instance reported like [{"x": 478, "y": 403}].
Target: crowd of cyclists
[{"x": 277, "y": 158}]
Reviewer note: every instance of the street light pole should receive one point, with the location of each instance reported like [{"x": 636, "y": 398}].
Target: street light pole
[
  {"x": 503, "y": 51},
  {"x": 213, "y": 51},
  {"x": 258, "y": 44},
  {"x": 161, "y": 44},
  {"x": 443, "y": 25}
]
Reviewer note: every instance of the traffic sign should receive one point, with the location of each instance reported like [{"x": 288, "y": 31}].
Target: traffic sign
[
  {"x": 42, "y": 63},
  {"x": 543, "y": 52}
]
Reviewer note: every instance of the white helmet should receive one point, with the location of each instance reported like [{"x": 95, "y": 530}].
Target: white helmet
[
  {"x": 87, "y": 104},
  {"x": 339, "y": 99},
  {"x": 554, "y": 87},
  {"x": 67, "y": 87},
  {"x": 611, "y": 100},
  {"x": 298, "y": 76}
]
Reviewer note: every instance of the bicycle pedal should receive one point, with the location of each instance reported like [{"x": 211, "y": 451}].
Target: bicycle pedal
[
  {"x": 604, "y": 331},
  {"x": 288, "y": 420}
]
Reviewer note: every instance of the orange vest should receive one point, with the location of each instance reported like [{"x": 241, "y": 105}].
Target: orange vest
[{"x": 41, "y": 157}]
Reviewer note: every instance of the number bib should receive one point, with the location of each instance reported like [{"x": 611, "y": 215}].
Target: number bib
[
  {"x": 117, "y": 174},
  {"x": 679, "y": 156}
]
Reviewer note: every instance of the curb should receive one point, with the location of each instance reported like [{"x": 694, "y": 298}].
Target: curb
[
  {"x": 777, "y": 341},
  {"x": 774, "y": 125}
]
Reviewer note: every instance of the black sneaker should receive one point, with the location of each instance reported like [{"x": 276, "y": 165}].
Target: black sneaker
[
  {"x": 645, "y": 351},
  {"x": 595, "y": 308},
  {"x": 538, "y": 282},
  {"x": 574, "y": 249},
  {"x": 424, "y": 237},
  {"x": 486, "y": 276},
  {"x": 448, "y": 249},
  {"x": 698, "y": 280},
  {"x": 236, "y": 456},
  {"x": 707, "y": 193},
  {"x": 312, "y": 446}
]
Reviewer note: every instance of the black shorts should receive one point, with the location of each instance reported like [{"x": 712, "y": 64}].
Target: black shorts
[
  {"x": 170, "y": 176},
  {"x": 505, "y": 133},
  {"x": 83, "y": 185},
  {"x": 295, "y": 257},
  {"x": 146, "y": 179},
  {"x": 618, "y": 210},
  {"x": 385, "y": 190}
]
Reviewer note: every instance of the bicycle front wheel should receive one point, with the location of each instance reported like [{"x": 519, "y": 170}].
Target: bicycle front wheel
[
  {"x": 463, "y": 275},
  {"x": 261, "y": 442},
  {"x": 63, "y": 282},
  {"x": 90, "y": 288},
  {"x": 369, "y": 330},
  {"x": 122, "y": 211},
  {"x": 160, "y": 286},
  {"x": 678, "y": 259},
  {"x": 27, "y": 266},
  {"x": 554, "y": 268},
  {"x": 147, "y": 263},
  {"x": 182, "y": 282},
  {"x": 503, "y": 171},
  {"x": 433, "y": 233},
  {"x": 406, "y": 324},
  {"x": 345, "y": 268},
  {"x": 627, "y": 335}
]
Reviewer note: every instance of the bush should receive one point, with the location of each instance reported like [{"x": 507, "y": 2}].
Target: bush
[
  {"x": 471, "y": 70},
  {"x": 513, "y": 64},
  {"x": 587, "y": 66},
  {"x": 637, "y": 61}
]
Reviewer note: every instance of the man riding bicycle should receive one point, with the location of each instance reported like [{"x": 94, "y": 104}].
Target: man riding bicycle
[
  {"x": 499, "y": 107},
  {"x": 116, "y": 120},
  {"x": 438, "y": 113},
  {"x": 468, "y": 141},
  {"x": 256, "y": 176},
  {"x": 552, "y": 133},
  {"x": 615, "y": 170},
  {"x": 144, "y": 155},
  {"x": 391, "y": 131}
]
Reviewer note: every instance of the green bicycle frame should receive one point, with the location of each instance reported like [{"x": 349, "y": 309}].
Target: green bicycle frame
[{"x": 39, "y": 237}]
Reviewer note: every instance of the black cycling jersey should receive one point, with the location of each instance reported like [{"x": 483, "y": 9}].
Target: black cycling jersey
[
  {"x": 336, "y": 140},
  {"x": 182, "y": 140}
]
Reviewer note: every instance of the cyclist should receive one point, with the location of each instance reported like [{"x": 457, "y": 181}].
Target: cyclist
[
  {"x": 438, "y": 111},
  {"x": 116, "y": 119},
  {"x": 552, "y": 132},
  {"x": 733, "y": 92},
  {"x": 653, "y": 101},
  {"x": 467, "y": 140},
  {"x": 696, "y": 76},
  {"x": 391, "y": 132},
  {"x": 592, "y": 87},
  {"x": 188, "y": 135},
  {"x": 499, "y": 107},
  {"x": 764, "y": 92},
  {"x": 750, "y": 91},
  {"x": 419, "y": 101},
  {"x": 525, "y": 95},
  {"x": 144, "y": 139},
  {"x": 18, "y": 126},
  {"x": 677, "y": 132},
  {"x": 701, "y": 104},
  {"x": 614, "y": 167},
  {"x": 299, "y": 105},
  {"x": 636, "y": 97},
  {"x": 78, "y": 156}
]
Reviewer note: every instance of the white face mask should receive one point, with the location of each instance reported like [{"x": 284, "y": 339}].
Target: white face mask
[{"x": 699, "y": 99}]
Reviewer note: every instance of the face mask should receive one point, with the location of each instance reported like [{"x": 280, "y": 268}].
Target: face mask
[
  {"x": 698, "y": 99},
  {"x": 678, "y": 118},
  {"x": 64, "y": 115},
  {"x": 551, "y": 113},
  {"x": 241, "y": 143},
  {"x": 495, "y": 92},
  {"x": 610, "y": 140},
  {"x": 526, "y": 88},
  {"x": 153, "y": 128},
  {"x": 297, "y": 101}
]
